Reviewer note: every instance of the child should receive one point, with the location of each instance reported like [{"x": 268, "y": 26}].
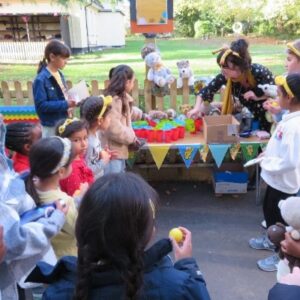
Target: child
[
  {"x": 120, "y": 134},
  {"x": 119, "y": 209},
  {"x": 81, "y": 176},
  {"x": 24, "y": 244},
  {"x": 19, "y": 138},
  {"x": 94, "y": 110},
  {"x": 49, "y": 87},
  {"x": 50, "y": 161},
  {"x": 281, "y": 163}
]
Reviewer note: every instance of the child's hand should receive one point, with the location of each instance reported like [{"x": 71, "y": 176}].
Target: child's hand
[
  {"x": 290, "y": 246},
  {"x": 105, "y": 156},
  {"x": 184, "y": 249},
  {"x": 293, "y": 278},
  {"x": 62, "y": 207},
  {"x": 71, "y": 102},
  {"x": 113, "y": 153},
  {"x": 2, "y": 245},
  {"x": 268, "y": 105}
]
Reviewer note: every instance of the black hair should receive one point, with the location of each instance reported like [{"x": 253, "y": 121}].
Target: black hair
[
  {"x": 117, "y": 83},
  {"x": 44, "y": 157},
  {"x": 54, "y": 47},
  {"x": 17, "y": 135},
  {"x": 115, "y": 223},
  {"x": 244, "y": 61},
  {"x": 293, "y": 81},
  {"x": 74, "y": 126},
  {"x": 110, "y": 73},
  {"x": 91, "y": 107}
]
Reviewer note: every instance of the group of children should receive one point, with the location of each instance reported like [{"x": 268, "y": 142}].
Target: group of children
[{"x": 108, "y": 221}]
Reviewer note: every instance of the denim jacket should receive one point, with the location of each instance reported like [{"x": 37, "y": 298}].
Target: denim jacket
[{"x": 49, "y": 99}]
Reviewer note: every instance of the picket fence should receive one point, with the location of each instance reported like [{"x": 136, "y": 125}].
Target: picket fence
[{"x": 17, "y": 93}]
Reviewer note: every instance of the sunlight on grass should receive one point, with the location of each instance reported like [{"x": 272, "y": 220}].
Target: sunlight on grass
[{"x": 96, "y": 65}]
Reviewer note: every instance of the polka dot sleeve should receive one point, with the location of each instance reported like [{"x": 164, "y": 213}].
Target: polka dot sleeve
[
  {"x": 212, "y": 88},
  {"x": 262, "y": 75}
]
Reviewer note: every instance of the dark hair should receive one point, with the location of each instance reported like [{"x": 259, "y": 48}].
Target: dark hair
[
  {"x": 117, "y": 84},
  {"x": 54, "y": 47},
  {"x": 115, "y": 223},
  {"x": 110, "y": 73},
  {"x": 293, "y": 81},
  {"x": 44, "y": 157},
  {"x": 17, "y": 135},
  {"x": 74, "y": 126},
  {"x": 90, "y": 109},
  {"x": 244, "y": 61}
]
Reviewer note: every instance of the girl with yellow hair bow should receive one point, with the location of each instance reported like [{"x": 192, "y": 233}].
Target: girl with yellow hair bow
[{"x": 241, "y": 79}]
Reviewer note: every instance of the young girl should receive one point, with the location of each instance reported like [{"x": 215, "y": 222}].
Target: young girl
[
  {"x": 281, "y": 162},
  {"x": 120, "y": 134},
  {"x": 81, "y": 176},
  {"x": 49, "y": 87},
  {"x": 19, "y": 138},
  {"x": 292, "y": 65},
  {"x": 50, "y": 161},
  {"x": 241, "y": 78},
  {"x": 119, "y": 209},
  {"x": 94, "y": 110}
]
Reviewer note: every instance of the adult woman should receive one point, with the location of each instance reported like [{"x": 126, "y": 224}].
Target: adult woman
[{"x": 241, "y": 78}]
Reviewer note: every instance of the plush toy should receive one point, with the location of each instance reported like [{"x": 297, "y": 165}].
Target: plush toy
[
  {"x": 185, "y": 71},
  {"x": 148, "y": 48},
  {"x": 270, "y": 90},
  {"x": 185, "y": 108},
  {"x": 136, "y": 113},
  {"x": 157, "y": 114},
  {"x": 290, "y": 212},
  {"x": 157, "y": 73}
]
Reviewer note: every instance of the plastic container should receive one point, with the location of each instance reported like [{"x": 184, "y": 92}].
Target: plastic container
[
  {"x": 150, "y": 136},
  {"x": 159, "y": 136},
  {"x": 198, "y": 124},
  {"x": 181, "y": 130},
  {"x": 175, "y": 134},
  {"x": 168, "y": 136}
]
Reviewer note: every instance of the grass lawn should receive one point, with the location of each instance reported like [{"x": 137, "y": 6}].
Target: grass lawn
[{"x": 96, "y": 65}]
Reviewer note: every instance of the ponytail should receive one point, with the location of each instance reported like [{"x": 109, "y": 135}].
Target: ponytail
[
  {"x": 42, "y": 64},
  {"x": 31, "y": 190}
]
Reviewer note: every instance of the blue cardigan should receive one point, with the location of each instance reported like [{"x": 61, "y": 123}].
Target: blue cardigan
[
  {"x": 50, "y": 103},
  {"x": 163, "y": 280},
  {"x": 284, "y": 292}
]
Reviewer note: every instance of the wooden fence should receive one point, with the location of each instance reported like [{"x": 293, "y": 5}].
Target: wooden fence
[
  {"x": 18, "y": 93},
  {"x": 21, "y": 51}
]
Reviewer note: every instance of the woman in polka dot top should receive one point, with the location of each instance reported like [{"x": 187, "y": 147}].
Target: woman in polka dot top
[{"x": 241, "y": 79}]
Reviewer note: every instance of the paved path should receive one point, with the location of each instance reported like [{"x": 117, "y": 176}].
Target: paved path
[{"x": 221, "y": 228}]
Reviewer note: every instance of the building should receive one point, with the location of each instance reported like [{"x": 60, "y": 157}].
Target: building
[{"x": 82, "y": 27}]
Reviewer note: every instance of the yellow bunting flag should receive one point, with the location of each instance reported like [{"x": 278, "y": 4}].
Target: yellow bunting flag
[
  {"x": 204, "y": 152},
  {"x": 234, "y": 150},
  {"x": 249, "y": 150},
  {"x": 159, "y": 153}
]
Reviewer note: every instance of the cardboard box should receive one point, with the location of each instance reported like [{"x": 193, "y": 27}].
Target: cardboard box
[
  {"x": 230, "y": 179},
  {"x": 220, "y": 129}
]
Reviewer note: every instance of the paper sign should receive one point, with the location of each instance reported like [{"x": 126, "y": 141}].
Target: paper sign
[{"x": 79, "y": 91}]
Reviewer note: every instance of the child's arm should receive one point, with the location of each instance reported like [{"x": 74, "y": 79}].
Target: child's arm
[
  {"x": 41, "y": 102},
  {"x": 23, "y": 241}
]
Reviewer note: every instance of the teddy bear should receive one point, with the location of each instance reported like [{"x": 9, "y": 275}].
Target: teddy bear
[
  {"x": 158, "y": 73},
  {"x": 290, "y": 212},
  {"x": 185, "y": 71},
  {"x": 148, "y": 48},
  {"x": 157, "y": 114}
]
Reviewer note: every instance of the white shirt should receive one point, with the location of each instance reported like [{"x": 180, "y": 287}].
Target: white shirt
[{"x": 281, "y": 163}]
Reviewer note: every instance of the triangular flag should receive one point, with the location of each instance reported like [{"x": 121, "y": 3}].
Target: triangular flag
[
  {"x": 218, "y": 152},
  {"x": 263, "y": 146},
  {"x": 131, "y": 159},
  {"x": 204, "y": 152},
  {"x": 249, "y": 150},
  {"x": 188, "y": 153},
  {"x": 234, "y": 150},
  {"x": 159, "y": 153}
]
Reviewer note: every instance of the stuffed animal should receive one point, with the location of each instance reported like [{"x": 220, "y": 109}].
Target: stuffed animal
[
  {"x": 290, "y": 212},
  {"x": 157, "y": 114},
  {"x": 270, "y": 90},
  {"x": 136, "y": 113},
  {"x": 157, "y": 73},
  {"x": 148, "y": 48},
  {"x": 185, "y": 71},
  {"x": 185, "y": 108}
]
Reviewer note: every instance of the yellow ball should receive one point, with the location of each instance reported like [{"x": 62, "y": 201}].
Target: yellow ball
[
  {"x": 275, "y": 104},
  {"x": 176, "y": 234}
]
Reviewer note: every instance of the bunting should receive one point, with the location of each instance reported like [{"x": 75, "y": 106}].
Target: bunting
[
  {"x": 159, "y": 153},
  {"x": 188, "y": 153},
  {"x": 250, "y": 150},
  {"x": 218, "y": 152},
  {"x": 204, "y": 152},
  {"x": 234, "y": 150}
]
